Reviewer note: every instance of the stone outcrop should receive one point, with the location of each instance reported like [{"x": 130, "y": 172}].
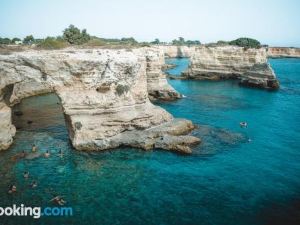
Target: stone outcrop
[
  {"x": 172, "y": 51},
  {"x": 7, "y": 130},
  {"x": 157, "y": 84},
  {"x": 103, "y": 94},
  {"x": 277, "y": 52},
  {"x": 250, "y": 66}
]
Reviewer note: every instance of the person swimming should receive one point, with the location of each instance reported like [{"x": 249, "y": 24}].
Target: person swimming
[
  {"x": 34, "y": 148},
  {"x": 61, "y": 154},
  {"x": 12, "y": 189},
  {"x": 243, "y": 124},
  {"x": 26, "y": 174},
  {"x": 23, "y": 154},
  {"x": 33, "y": 184},
  {"x": 47, "y": 154},
  {"x": 58, "y": 200}
]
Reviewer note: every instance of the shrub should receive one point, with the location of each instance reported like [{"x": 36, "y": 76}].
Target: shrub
[
  {"x": 78, "y": 125},
  {"x": 181, "y": 41},
  {"x": 52, "y": 43},
  {"x": 155, "y": 42},
  {"x": 28, "y": 40},
  {"x": 246, "y": 43},
  {"x": 121, "y": 89},
  {"x": 5, "y": 41},
  {"x": 222, "y": 42},
  {"x": 130, "y": 40},
  {"x": 95, "y": 42},
  {"x": 74, "y": 36},
  {"x": 15, "y": 40}
]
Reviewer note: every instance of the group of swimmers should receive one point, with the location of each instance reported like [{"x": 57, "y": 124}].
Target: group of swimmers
[
  {"x": 13, "y": 188},
  {"x": 34, "y": 149}
]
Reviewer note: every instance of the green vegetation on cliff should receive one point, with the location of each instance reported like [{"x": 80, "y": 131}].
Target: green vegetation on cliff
[
  {"x": 181, "y": 41},
  {"x": 74, "y": 36},
  {"x": 246, "y": 43},
  {"x": 53, "y": 43}
]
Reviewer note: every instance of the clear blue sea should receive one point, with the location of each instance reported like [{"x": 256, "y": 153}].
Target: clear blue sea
[{"x": 238, "y": 176}]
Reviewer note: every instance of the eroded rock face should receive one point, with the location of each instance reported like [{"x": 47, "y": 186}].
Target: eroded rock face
[
  {"x": 103, "y": 94},
  {"x": 7, "y": 130},
  {"x": 157, "y": 84},
  {"x": 172, "y": 51},
  {"x": 231, "y": 62},
  {"x": 277, "y": 52}
]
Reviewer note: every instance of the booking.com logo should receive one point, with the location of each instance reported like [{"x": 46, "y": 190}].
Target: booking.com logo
[{"x": 35, "y": 212}]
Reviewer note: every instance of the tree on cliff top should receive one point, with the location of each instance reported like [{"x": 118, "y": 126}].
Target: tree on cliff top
[
  {"x": 74, "y": 36},
  {"x": 246, "y": 43},
  {"x": 28, "y": 40},
  {"x": 181, "y": 41},
  {"x": 5, "y": 41},
  {"x": 156, "y": 41}
]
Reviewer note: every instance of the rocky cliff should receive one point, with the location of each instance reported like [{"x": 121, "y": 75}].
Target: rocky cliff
[
  {"x": 277, "y": 52},
  {"x": 103, "y": 94},
  {"x": 250, "y": 66},
  {"x": 158, "y": 86},
  {"x": 172, "y": 51}
]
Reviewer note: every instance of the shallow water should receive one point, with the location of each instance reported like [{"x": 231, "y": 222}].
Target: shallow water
[{"x": 227, "y": 179}]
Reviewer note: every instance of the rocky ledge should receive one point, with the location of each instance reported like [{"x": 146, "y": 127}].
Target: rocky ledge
[
  {"x": 250, "y": 66},
  {"x": 158, "y": 86},
  {"x": 278, "y": 52},
  {"x": 104, "y": 95}
]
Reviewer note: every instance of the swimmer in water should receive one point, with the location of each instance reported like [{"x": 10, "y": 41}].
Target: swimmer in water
[
  {"x": 243, "y": 124},
  {"x": 12, "y": 189},
  {"x": 34, "y": 148},
  {"x": 23, "y": 154},
  {"x": 47, "y": 154},
  {"x": 26, "y": 174},
  {"x": 60, "y": 153},
  {"x": 33, "y": 184},
  {"x": 58, "y": 200}
]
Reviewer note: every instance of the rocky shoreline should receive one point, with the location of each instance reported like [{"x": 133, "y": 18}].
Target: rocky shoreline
[
  {"x": 279, "y": 52},
  {"x": 249, "y": 66},
  {"x": 104, "y": 95}
]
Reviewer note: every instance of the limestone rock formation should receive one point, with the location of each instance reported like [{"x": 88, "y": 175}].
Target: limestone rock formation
[
  {"x": 7, "y": 130},
  {"x": 277, "y": 52},
  {"x": 231, "y": 62},
  {"x": 172, "y": 51},
  {"x": 103, "y": 94},
  {"x": 157, "y": 84}
]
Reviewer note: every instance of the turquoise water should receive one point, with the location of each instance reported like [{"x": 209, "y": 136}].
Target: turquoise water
[{"x": 227, "y": 180}]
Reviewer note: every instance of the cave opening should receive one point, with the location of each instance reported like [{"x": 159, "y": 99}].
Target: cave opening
[{"x": 42, "y": 113}]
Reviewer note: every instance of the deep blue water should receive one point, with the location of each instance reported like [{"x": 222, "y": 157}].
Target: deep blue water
[{"x": 227, "y": 180}]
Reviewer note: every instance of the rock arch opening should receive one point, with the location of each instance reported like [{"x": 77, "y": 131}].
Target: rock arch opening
[{"x": 42, "y": 113}]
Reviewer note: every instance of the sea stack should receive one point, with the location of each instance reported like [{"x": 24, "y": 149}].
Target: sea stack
[{"x": 250, "y": 66}]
